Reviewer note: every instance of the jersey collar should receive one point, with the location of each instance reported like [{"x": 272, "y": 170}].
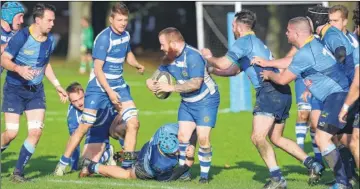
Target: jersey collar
[
  {"x": 249, "y": 33},
  {"x": 32, "y": 33},
  {"x": 324, "y": 30},
  {"x": 309, "y": 39},
  {"x": 182, "y": 51}
]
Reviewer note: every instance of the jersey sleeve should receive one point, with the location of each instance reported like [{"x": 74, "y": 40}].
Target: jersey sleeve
[
  {"x": 101, "y": 46},
  {"x": 16, "y": 43},
  {"x": 299, "y": 63},
  {"x": 237, "y": 51},
  {"x": 162, "y": 68},
  {"x": 356, "y": 57},
  {"x": 196, "y": 66},
  {"x": 333, "y": 41}
]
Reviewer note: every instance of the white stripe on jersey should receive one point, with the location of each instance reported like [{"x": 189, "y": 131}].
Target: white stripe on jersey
[
  {"x": 120, "y": 41},
  {"x": 115, "y": 60}
]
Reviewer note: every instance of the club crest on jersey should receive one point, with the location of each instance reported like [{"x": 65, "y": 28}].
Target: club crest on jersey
[
  {"x": 184, "y": 73},
  {"x": 206, "y": 119}
]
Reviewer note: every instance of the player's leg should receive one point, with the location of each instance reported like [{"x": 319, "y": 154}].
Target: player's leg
[
  {"x": 76, "y": 154},
  {"x": 289, "y": 146},
  {"x": 328, "y": 126},
  {"x": 109, "y": 170},
  {"x": 117, "y": 130},
  {"x": 89, "y": 59},
  {"x": 12, "y": 106},
  {"x": 303, "y": 113},
  {"x": 187, "y": 126},
  {"x": 316, "y": 106},
  {"x": 35, "y": 124},
  {"x": 354, "y": 144},
  {"x": 129, "y": 114},
  {"x": 205, "y": 151},
  {"x": 83, "y": 61},
  {"x": 11, "y": 129}
]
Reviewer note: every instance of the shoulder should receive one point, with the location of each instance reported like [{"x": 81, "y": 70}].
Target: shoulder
[
  {"x": 104, "y": 35},
  {"x": 24, "y": 33}
]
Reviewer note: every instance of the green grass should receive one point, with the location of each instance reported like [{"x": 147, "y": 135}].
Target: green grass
[{"x": 230, "y": 140}]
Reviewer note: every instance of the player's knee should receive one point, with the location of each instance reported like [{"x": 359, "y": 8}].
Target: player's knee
[
  {"x": 12, "y": 130},
  {"x": 303, "y": 116},
  {"x": 35, "y": 128},
  {"x": 257, "y": 139},
  {"x": 204, "y": 141},
  {"x": 354, "y": 141},
  {"x": 275, "y": 139},
  {"x": 35, "y": 133},
  {"x": 133, "y": 124}
]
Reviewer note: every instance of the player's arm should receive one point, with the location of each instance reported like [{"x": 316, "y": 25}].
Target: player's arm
[
  {"x": 353, "y": 94},
  {"x": 49, "y": 73},
  {"x": 3, "y": 46},
  {"x": 11, "y": 50},
  {"x": 231, "y": 71},
  {"x": 130, "y": 58},
  {"x": 282, "y": 78}
]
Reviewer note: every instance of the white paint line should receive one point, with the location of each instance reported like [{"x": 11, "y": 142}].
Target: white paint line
[{"x": 107, "y": 183}]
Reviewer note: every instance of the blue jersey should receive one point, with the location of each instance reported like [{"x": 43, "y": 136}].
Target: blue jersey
[
  {"x": 355, "y": 43},
  {"x": 73, "y": 117},
  {"x": 242, "y": 52},
  {"x": 316, "y": 64},
  {"x": 332, "y": 38},
  {"x": 26, "y": 51},
  {"x": 5, "y": 36},
  {"x": 112, "y": 48},
  {"x": 156, "y": 164},
  {"x": 190, "y": 64}
]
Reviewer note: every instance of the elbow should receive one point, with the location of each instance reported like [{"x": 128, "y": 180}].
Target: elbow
[{"x": 340, "y": 54}]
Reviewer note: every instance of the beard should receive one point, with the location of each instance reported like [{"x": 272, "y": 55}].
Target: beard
[
  {"x": 236, "y": 35},
  {"x": 170, "y": 56}
]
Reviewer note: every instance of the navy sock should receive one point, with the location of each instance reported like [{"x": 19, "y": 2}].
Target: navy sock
[
  {"x": 275, "y": 173},
  {"x": 26, "y": 152},
  {"x": 333, "y": 159}
]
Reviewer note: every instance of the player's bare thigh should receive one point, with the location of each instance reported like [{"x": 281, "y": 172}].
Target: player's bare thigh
[
  {"x": 186, "y": 129},
  {"x": 93, "y": 151}
]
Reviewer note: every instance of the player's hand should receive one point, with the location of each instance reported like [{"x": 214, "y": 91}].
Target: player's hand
[
  {"x": 259, "y": 61},
  {"x": 62, "y": 94},
  {"x": 164, "y": 87},
  {"x": 114, "y": 97},
  {"x": 342, "y": 115},
  {"x": 206, "y": 53},
  {"x": 306, "y": 94},
  {"x": 209, "y": 68},
  {"x": 265, "y": 74},
  {"x": 150, "y": 83},
  {"x": 140, "y": 69},
  {"x": 190, "y": 151},
  {"x": 25, "y": 71}
]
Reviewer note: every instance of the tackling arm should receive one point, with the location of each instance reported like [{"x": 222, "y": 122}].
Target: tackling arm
[
  {"x": 282, "y": 78},
  {"x": 353, "y": 94}
]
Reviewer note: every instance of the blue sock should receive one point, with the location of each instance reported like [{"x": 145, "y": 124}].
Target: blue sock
[
  {"x": 93, "y": 168},
  {"x": 318, "y": 156},
  {"x": 105, "y": 156},
  {"x": 348, "y": 161},
  {"x": 333, "y": 159},
  {"x": 64, "y": 160},
  {"x": 275, "y": 173},
  {"x": 182, "y": 150},
  {"x": 205, "y": 156},
  {"x": 26, "y": 152},
  {"x": 75, "y": 159},
  {"x": 301, "y": 130}
]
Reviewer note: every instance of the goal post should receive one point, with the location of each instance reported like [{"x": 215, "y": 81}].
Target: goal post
[{"x": 214, "y": 31}]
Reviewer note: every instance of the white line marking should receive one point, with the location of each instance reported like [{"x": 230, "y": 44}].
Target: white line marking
[{"x": 113, "y": 184}]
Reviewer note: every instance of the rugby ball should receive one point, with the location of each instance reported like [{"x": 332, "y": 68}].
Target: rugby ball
[{"x": 163, "y": 77}]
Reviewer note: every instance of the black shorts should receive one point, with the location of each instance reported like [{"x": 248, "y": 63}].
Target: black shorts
[{"x": 140, "y": 171}]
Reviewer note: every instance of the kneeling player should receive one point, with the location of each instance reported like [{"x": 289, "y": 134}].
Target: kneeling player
[
  {"x": 97, "y": 147},
  {"x": 157, "y": 159}
]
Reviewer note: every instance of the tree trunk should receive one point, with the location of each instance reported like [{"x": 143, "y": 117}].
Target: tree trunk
[{"x": 77, "y": 11}]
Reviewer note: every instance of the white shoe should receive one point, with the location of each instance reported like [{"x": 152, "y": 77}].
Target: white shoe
[
  {"x": 59, "y": 170},
  {"x": 111, "y": 160}
]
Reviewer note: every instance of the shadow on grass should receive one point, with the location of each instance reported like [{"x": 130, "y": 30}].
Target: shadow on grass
[
  {"x": 262, "y": 172},
  {"x": 40, "y": 166}
]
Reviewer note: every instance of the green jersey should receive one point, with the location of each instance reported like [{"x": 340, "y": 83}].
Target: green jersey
[{"x": 87, "y": 36}]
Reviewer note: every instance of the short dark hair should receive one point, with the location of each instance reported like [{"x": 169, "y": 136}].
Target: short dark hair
[
  {"x": 39, "y": 9},
  {"x": 172, "y": 34},
  {"x": 119, "y": 8},
  {"x": 344, "y": 11},
  {"x": 74, "y": 87},
  {"x": 247, "y": 17}
]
